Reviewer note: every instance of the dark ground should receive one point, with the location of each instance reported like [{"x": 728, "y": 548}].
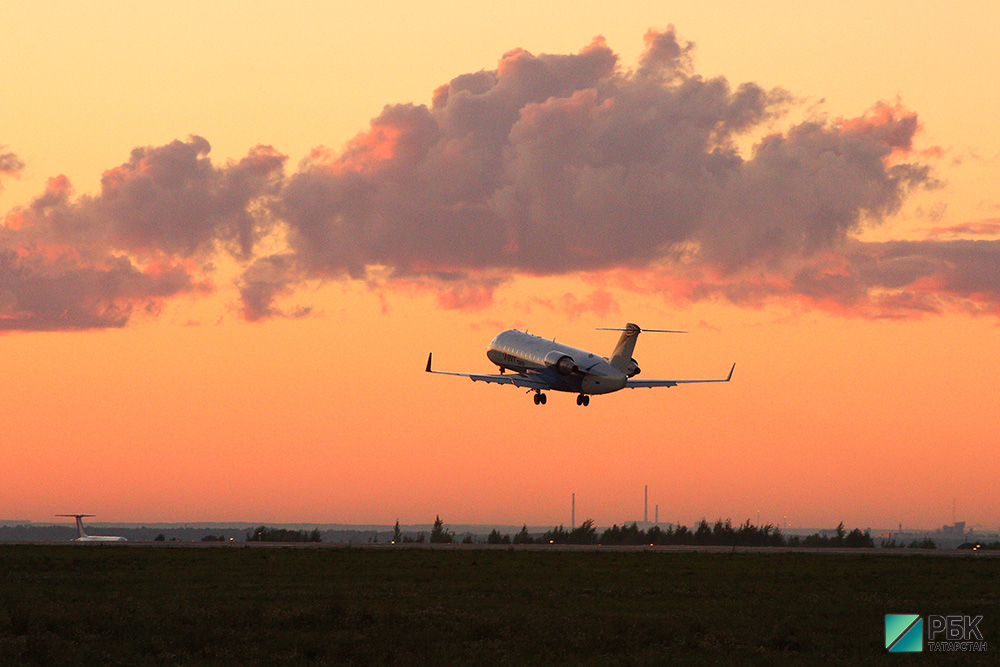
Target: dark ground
[{"x": 111, "y": 604}]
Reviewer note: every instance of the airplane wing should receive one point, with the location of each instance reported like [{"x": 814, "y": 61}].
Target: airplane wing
[
  {"x": 515, "y": 379},
  {"x": 649, "y": 384}
]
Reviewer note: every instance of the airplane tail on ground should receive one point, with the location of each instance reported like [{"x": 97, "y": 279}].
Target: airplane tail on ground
[{"x": 79, "y": 523}]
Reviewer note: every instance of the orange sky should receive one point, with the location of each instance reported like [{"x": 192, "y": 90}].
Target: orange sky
[{"x": 191, "y": 413}]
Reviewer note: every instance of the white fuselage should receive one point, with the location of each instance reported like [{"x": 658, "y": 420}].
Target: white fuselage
[
  {"x": 565, "y": 368},
  {"x": 82, "y": 536},
  {"x": 99, "y": 538}
]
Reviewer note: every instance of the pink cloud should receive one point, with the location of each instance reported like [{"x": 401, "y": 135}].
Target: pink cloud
[
  {"x": 547, "y": 165},
  {"x": 987, "y": 227}
]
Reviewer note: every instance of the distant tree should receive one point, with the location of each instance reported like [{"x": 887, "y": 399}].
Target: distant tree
[
  {"x": 723, "y": 533},
  {"x": 841, "y": 538},
  {"x": 439, "y": 535},
  {"x": 634, "y": 535},
  {"x": 815, "y": 540},
  {"x": 585, "y": 533},
  {"x": 627, "y": 534},
  {"x": 420, "y": 538},
  {"x": 759, "y": 536},
  {"x": 611, "y": 536},
  {"x": 265, "y": 534},
  {"x": 556, "y": 536},
  {"x": 494, "y": 537},
  {"x": 856, "y": 539},
  {"x": 397, "y": 534},
  {"x": 160, "y": 538},
  {"x": 213, "y": 538},
  {"x": 838, "y": 541},
  {"x": 469, "y": 539},
  {"x": 703, "y": 533},
  {"x": 522, "y": 536}
]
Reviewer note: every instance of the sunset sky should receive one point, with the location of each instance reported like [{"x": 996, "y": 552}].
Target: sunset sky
[{"x": 231, "y": 233}]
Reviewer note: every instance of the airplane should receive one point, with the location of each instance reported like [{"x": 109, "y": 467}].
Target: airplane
[
  {"x": 539, "y": 365},
  {"x": 84, "y": 537}
]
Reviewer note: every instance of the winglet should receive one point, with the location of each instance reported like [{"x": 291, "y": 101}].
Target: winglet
[
  {"x": 728, "y": 377},
  {"x": 429, "y": 363}
]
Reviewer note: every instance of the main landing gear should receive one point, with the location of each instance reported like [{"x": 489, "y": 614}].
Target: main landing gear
[{"x": 540, "y": 398}]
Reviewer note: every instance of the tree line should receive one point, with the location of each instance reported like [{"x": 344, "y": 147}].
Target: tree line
[
  {"x": 720, "y": 533},
  {"x": 265, "y": 534}
]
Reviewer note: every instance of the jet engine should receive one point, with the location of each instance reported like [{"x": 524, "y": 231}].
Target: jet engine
[
  {"x": 633, "y": 369},
  {"x": 561, "y": 362}
]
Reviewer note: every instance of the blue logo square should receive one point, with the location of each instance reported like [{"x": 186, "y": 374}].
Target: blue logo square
[{"x": 904, "y": 633}]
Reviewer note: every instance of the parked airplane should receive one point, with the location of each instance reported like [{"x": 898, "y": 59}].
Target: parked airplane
[
  {"x": 539, "y": 364},
  {"x": 84, "y": 537}
]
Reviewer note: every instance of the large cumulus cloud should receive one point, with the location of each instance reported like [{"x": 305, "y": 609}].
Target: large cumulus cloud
[
  {"x": 545, "y": 165},
  {"x": 88, "y": 262},
  {"x": 553, "y": 164}
]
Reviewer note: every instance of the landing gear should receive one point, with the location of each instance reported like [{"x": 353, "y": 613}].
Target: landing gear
[
  {"x": 539, "y": 398},
  {"x": 583, "y": 399}
]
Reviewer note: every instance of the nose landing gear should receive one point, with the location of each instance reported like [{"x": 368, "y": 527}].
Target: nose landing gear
[
  {"x": 539, "y": 398},
  {"x": 583, "y": 399}
]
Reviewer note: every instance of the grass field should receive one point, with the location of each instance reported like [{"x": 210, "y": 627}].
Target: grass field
[{"x": 103, "y": 604}]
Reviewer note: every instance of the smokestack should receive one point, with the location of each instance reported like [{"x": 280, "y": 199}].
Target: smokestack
[
  {"x": 645, "y": 504},
  {"x": 572, "y": 516}
]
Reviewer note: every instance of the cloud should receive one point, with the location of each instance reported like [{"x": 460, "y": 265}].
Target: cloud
[
  {"x": 987, "y": 227},
  {"x": 894, "y": 280},
  {"x": 266, "y": 279},
  {"x": 40, "y": 292},
  {"x": 10, "y": 166},
  {"x": 553, "y": 164},
  {"x": 173, "y": 199},
  {"x": 550, "y": 164},
  {"x": 600, "y": 302},
  {"x": 89, "y": 262},
  {"x": 905, "y": 278}
]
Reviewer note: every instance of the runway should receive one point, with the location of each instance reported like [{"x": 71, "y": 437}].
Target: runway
[{"x": 555, "y": 548}]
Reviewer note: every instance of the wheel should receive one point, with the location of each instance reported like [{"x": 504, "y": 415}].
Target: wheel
[
  {"x": 543, "y": 398},
  {"x": 537, "y": 398},
  {"x": 586, "y": 400},
  {"x": 579, "y": 399}
]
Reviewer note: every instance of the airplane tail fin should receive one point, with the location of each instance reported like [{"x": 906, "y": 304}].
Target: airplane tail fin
[
  {"x": 79, "y": 523},
  {"x": 621, "y": 359}
]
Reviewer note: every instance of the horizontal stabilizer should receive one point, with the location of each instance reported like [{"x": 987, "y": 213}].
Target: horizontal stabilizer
[
  {"x": 639, "y": 330},
  {"x": 649, "y": 384}
]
